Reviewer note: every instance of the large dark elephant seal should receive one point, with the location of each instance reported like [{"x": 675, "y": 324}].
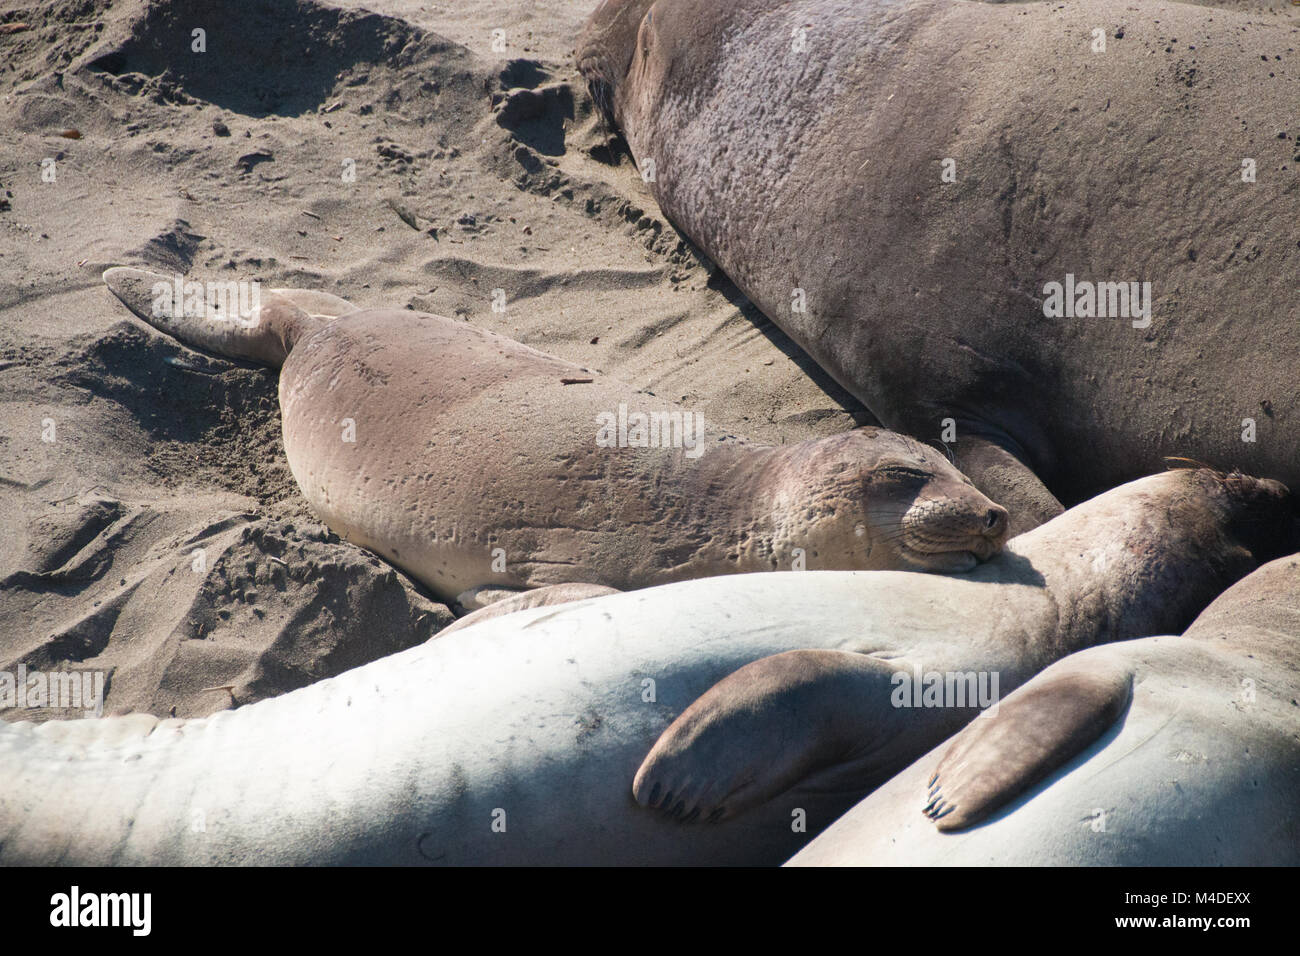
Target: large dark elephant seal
[
  {"x": 1167, "y": 751},
  {"x": 474, "y": 462},
  {"x": 516, "y": 740},
  {"x": 804, "y": 145}
]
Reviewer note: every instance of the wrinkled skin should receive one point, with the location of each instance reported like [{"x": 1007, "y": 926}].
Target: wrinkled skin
[
  {"x": 464, "y": 441},
  {"x": 816, "y": 174}
]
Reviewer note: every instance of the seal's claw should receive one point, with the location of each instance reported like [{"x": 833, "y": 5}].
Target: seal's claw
[{"x": 685, "y": 797}]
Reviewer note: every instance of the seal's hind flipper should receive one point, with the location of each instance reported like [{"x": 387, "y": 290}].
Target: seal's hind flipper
[
  {"x": 1037, "y": 729},
  {"x": 197, "y": 314},
  {"x": 760, "y": 731},
  {"x": 321, "y": 305}
]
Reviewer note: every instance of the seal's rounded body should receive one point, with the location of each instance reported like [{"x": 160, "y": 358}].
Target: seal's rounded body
[
  {"x": 473, "y": 461},
  {"x": 517, "y": 740},
  {"x": 901, "y": 187},
  {"x": 1198, "y": 766}
]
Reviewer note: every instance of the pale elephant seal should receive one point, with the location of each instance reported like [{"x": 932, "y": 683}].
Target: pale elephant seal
[
  {"x": 1166, "y": 751},
  {"x": 473, "y": 461},
  {"x": 908, "y": 188},
  {"x": 516, "y": 740}
]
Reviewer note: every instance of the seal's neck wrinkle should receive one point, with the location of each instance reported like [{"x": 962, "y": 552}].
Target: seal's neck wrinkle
[
  {"x": 760, "y": 496},
  {"x": 1159, "y": 560},
  {"x": 809, "y": 506},
  {"x": 728, "y": 486}
]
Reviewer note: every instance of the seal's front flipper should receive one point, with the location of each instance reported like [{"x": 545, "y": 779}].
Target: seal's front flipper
[
  {"x": 1008, "y": 481},
  {"x": 207, "y": 315},
  {"x": 507, "y": 602},
  {"x": 761, "y": 730},
  {"x": 1037, "y": 729}
]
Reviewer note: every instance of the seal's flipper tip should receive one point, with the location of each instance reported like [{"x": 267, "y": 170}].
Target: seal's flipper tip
[
  {"x": 134, "y": 287},
  {"x": 660, "y": 785},
  {"x": 759, "y": 732},
  {"x": 681, "y": 777},
  {"x": 227, "y": 318},
  {"x": 1036, "y": 730}
]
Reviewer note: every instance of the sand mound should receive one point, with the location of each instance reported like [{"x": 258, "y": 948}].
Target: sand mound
[
  {"x": 276, "y": 57},
  {"x": 187, "y": 608}
]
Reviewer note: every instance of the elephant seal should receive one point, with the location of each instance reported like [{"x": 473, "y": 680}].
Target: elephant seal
[
  {"x": 473, "y": 461},
  {"x": 913, "y": 190},
  {"x": 1165, "y": 751},
  {"x": 516, "y": 740}
]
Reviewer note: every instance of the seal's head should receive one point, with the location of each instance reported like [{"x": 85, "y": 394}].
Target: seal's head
[
  {"x": 1257, "y": 514},
  {"x": 874, "y": 499},
  {"x": 1229, "y": 522},
  {"x": 1148, "y": 556}
]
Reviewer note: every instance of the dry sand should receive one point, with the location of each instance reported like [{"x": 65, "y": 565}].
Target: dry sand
[
  {"x": 158, "y": 535},
  {"x": 149, "y": 527}
]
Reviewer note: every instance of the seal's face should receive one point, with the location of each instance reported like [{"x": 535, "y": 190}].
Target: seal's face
[
  {"x": 871, "y": 499},
  {"x": 1259, "y": 514},
  {"x": 927, "y": 516}
]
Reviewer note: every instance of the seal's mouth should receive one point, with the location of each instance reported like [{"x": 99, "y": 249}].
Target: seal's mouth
[
  {"x": 942, "y": 562},
  {"x": 930, "y": 542},
  {"x": 605, "y": 49},
  {"x": 601, "y": 90},
  {"x": 949, "y": 559}
]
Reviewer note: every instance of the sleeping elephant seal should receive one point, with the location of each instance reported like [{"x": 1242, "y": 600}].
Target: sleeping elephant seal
[
  {"x": 953, "y": 208},
  {"x": 1166, "y": 751},
  {"x": 472, "y": 461},
  {"x": 516, "y": 740}
]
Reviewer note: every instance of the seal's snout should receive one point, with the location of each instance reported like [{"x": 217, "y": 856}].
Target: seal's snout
[
  {"x": 1263, "y": 513},
  {"x": 952, "y": 529},
  {"x": 988, "y": 529},
  {"x": 605, "y": 49},
  {"x": 995, "y": 523},
  {"x": 985, "y": 520},
  {"x": 1273, "y": 490},
  {"x": 1263, "y": 495}
]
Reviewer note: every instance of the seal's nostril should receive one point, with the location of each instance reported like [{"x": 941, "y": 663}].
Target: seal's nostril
[{"x": 995, "y": 520}]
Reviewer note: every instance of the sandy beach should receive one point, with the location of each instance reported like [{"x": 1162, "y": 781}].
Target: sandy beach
[
  {"x": 150, "y": 526},
  {"x": 417, "y": 155}
]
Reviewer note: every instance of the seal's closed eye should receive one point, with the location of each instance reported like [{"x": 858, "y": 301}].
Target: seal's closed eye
[{"x": 902, "y": 471}]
